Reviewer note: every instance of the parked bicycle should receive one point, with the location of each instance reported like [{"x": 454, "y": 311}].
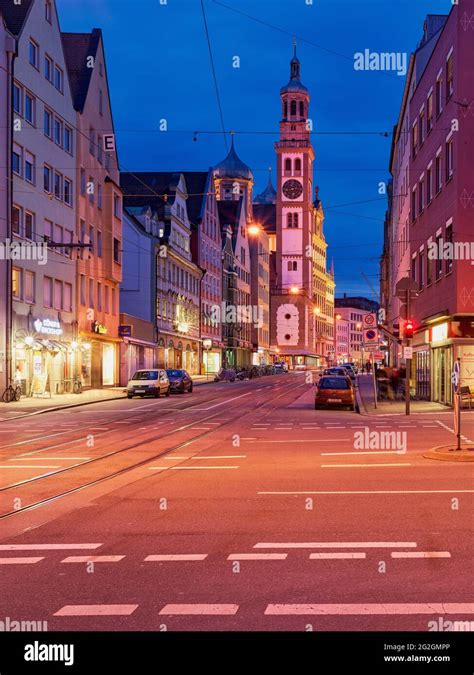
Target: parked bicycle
[{"x": 11, "y": 393}]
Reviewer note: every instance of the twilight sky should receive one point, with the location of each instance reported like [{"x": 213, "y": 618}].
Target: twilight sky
[{"x": 159, "y": 68}]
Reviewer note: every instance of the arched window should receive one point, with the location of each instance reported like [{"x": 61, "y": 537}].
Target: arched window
[
  {"x": 290, "y": 266},
  {"x": 298, "y": 167},
  {"x": 295, "y": 220},
  {"x": 295, "y": 266},
  {"x": 289, "y": 220},
  {"x": 285, "y": 110},
  {"x": 287, "y": 167},
  {"x": 293, "y": 109},
  {"x": 301, "y": 109}
]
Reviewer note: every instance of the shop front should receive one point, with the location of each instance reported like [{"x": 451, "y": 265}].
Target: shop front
[
  {"x": 99, "y": 358},
  {"x": 138, "y": 351},
  {"x": 42, "y": 354},
  {"x": 181, "y": 354},
  {"x": 211, "y": 356}
]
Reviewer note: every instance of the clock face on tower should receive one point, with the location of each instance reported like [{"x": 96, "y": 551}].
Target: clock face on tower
[{"x": 292, "y": 189}]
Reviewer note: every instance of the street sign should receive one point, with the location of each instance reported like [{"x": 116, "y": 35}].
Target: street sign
[
  {"x": 125, "y": 330},
  {"x": 378, "y": 356},
  {"x": 370, "y": 335},
  {"x": 407, "y": 352},
  {"x": 369, "y": 320},
  {"x": 455, "y": 376}
]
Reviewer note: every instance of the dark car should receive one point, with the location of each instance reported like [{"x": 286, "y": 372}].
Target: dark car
[
  {"x": 340, "y": 371},
  {"x": 180, "y": 381},
  {"x": 334, "y": 391}
]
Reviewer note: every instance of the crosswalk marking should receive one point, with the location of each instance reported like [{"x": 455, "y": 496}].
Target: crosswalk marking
[
  {"x": 19, "y": 561},
  {"x": 200, "y": 609},
  {"x": 420, "y": 554},
  {"x": 46, "y": 547},
  {"x": 372, "y": 608},
  {"x": 174, "y": 557},
  {"x": 96, "y": 610},
  {"x": 257, "y": 556},
  {"x": 336, "y": 556},
  {"x": 338, "y": 544},
  {"x": 92, "y": 558}
]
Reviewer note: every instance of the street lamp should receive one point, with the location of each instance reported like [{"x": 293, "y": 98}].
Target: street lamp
[
  {"x": 294, "y": 290},
  {"x": 253, "y": 230}
]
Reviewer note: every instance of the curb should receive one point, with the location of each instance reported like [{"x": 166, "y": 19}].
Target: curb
[
  {"x": 449, "y": 455},
  {"x": 360, "y": 401},
  {"x": 74, "y": 405}
]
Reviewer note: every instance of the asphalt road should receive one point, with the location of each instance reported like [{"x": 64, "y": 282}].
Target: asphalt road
[{"x": 237, "y": 507}]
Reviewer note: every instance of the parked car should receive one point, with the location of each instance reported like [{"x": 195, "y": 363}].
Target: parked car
[
  {"x": 225, "y": 375},
  {"x": 151, "y": 382},
  {"x": 180, "y": 381},
  {"x": 280, "y": 367},
  {"x": 334, "y": 391},
  {"x": 350, "y": 367},
  {"x": 339, "y": 371}
]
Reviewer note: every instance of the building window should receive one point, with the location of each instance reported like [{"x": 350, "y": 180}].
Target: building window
[
  {"x": 30, "y": 108},
  {"x": 48, "y": 12},
  {"x": 293, "y": 108},
  {"x": 413, "y": 268},
  {"x": 58, "y": 78},
  {"x": 414, "y": 139},
  {"x": 17, "y": 160},
  {"x": 438, "y": 174},
  {"x": 116, "y": 251},
  {"x": 47, "y": 173},
  {"x": 91, "y": 238},
  {"x": 413, "y": 205},
  {"x": 99, "y": 296},
  {"x": 68, "y": 139},
  {"x": 91, "y": 189},
  {"x": 58, "y": 185},
  {"x": 58, "y": 294},
  {"x": 421, "y": 197},
  {"x": 67, "y": 299},
  {"x": 449, "y": 159},
  {"x": 29, "y": 167},
  {"x": 99, "y": 148},
  {"x": 29, "y": 286},
  {"x": 116, "y": 206},
  {"x": 439, "y": 262},
  {"x": 91, "y": 292},
  {"x": 439, "y": 96},
  {"x": 429, "y": 268},
  {"x": 301, "y": 109},
  {"x": 68, "y": 191},
  {"x": 16, "y": 220},
  {"x": 421, "y": 123},
  {"x": 83, "y": 290},
  {"x": 298, "y": 167},
  {"x": 48, "y": 123},
  {"x": 449, "y": 239},
  {"x": 287, "y": 167},
  {"x": 429, "y": 113},
  {"x": 16, "y": 283},
  {"x": 449, "y": 78},
  {"x": 114, "y": 304},
  {"x": 29, "y": 225},
  {"x": 106, "y": 300},
  {"x": 47, "y": 292},
  {"x": 58, "y": 131},
  {"x": 48, "y": 230},
  {"x": 91, "y": 141},
  {"x": 33, "y": 53},
  {"x": 99, "y": 196},
  {"x": 99, "y": 244},
  {"x": 48, "y": 68},
  {"x": 83, "y": 182},
  {"x": 429, "y": 185},
  {"x": 17, "y": 99}
]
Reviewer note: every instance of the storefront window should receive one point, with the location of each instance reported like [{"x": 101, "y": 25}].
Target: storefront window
[
  {"x": 86, "y": 367},
  {"x": 108, "y": 365}
]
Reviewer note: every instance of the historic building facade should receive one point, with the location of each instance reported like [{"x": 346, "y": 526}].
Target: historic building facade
[
  {"x": 43, "y": 158},
  {"x": 302, "y": 301},
  {"x": 98, "y": 213}
]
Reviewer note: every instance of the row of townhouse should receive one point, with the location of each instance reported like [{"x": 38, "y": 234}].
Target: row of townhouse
[{"x": 429, "y": 233}]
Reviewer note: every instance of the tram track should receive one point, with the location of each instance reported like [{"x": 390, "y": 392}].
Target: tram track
[{"x": 288, "y": 388}]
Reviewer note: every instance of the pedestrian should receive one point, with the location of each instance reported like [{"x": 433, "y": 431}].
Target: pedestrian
[{"x": 367, "y": 367}]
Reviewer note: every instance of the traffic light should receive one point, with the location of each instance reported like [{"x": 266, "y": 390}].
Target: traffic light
[{"x": 409, "y": 329}]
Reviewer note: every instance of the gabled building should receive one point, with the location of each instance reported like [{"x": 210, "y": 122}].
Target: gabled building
[
  {"x": 7, "y": 50},
  {"x": 178, "y": 278},
  {"x": 43, "y": 161},
  {"x": 98, "y": 209},
  {"x": 206, "y": 248}
]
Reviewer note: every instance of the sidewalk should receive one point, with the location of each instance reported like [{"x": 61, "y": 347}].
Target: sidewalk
[
  {"x": 35, "y": 406},
  {"x": 366, "y": 402}
]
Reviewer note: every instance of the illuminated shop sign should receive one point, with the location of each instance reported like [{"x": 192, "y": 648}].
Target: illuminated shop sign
[{"x": 48, "y": 327}]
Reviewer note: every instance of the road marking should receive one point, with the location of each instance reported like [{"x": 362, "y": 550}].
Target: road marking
[
  {"x": 219, "y": 457},
  {"x": 29, "y": 466},
  {"x": 366, "y": 452},
  {"x": 420, "y": 554},
  {"x": 338, "y": 544},
  {"x": 36, "y": 459},
  {"x": 96, "y": 610},
  {"x": 201, "y": 468},
  {"x": 257, "y": 556},
  {"x": 336, "y": 556},
  {"x": 373, "y": 608},
  {"x": 306, "y": 440},
  {"x": 92, "y": 558},
  {"x": 46, "y": 547},
  {"x": 19, "y": 561},
  {"x": 175, "y": 557},
  {"x": 216, "y": 405},
  {"x": 221, "y": 610},
  {"x": 367, "y": 492},
  {"x": 361, "y": 466}
]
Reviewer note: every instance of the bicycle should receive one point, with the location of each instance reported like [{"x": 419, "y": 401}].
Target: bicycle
[
  {"x": 11, "y": 393},
  {"x": 77, "y": 386}
]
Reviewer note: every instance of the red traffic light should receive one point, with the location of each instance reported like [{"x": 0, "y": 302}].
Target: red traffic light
[{"x": 409, "y": 329}]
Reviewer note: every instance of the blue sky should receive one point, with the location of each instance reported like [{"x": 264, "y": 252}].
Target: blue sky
[{"x": 159, "y": 68}]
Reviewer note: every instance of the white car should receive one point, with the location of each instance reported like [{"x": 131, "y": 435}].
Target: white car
[{"x": 149, "y": 382}]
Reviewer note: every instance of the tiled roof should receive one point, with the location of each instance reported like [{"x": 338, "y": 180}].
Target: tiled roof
[
  {"x": 147, "y": 188},
  {"x": 15, "y": 15},
  {"x": 197, "y": 185},
  {"x": 77, "y": 47}
]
